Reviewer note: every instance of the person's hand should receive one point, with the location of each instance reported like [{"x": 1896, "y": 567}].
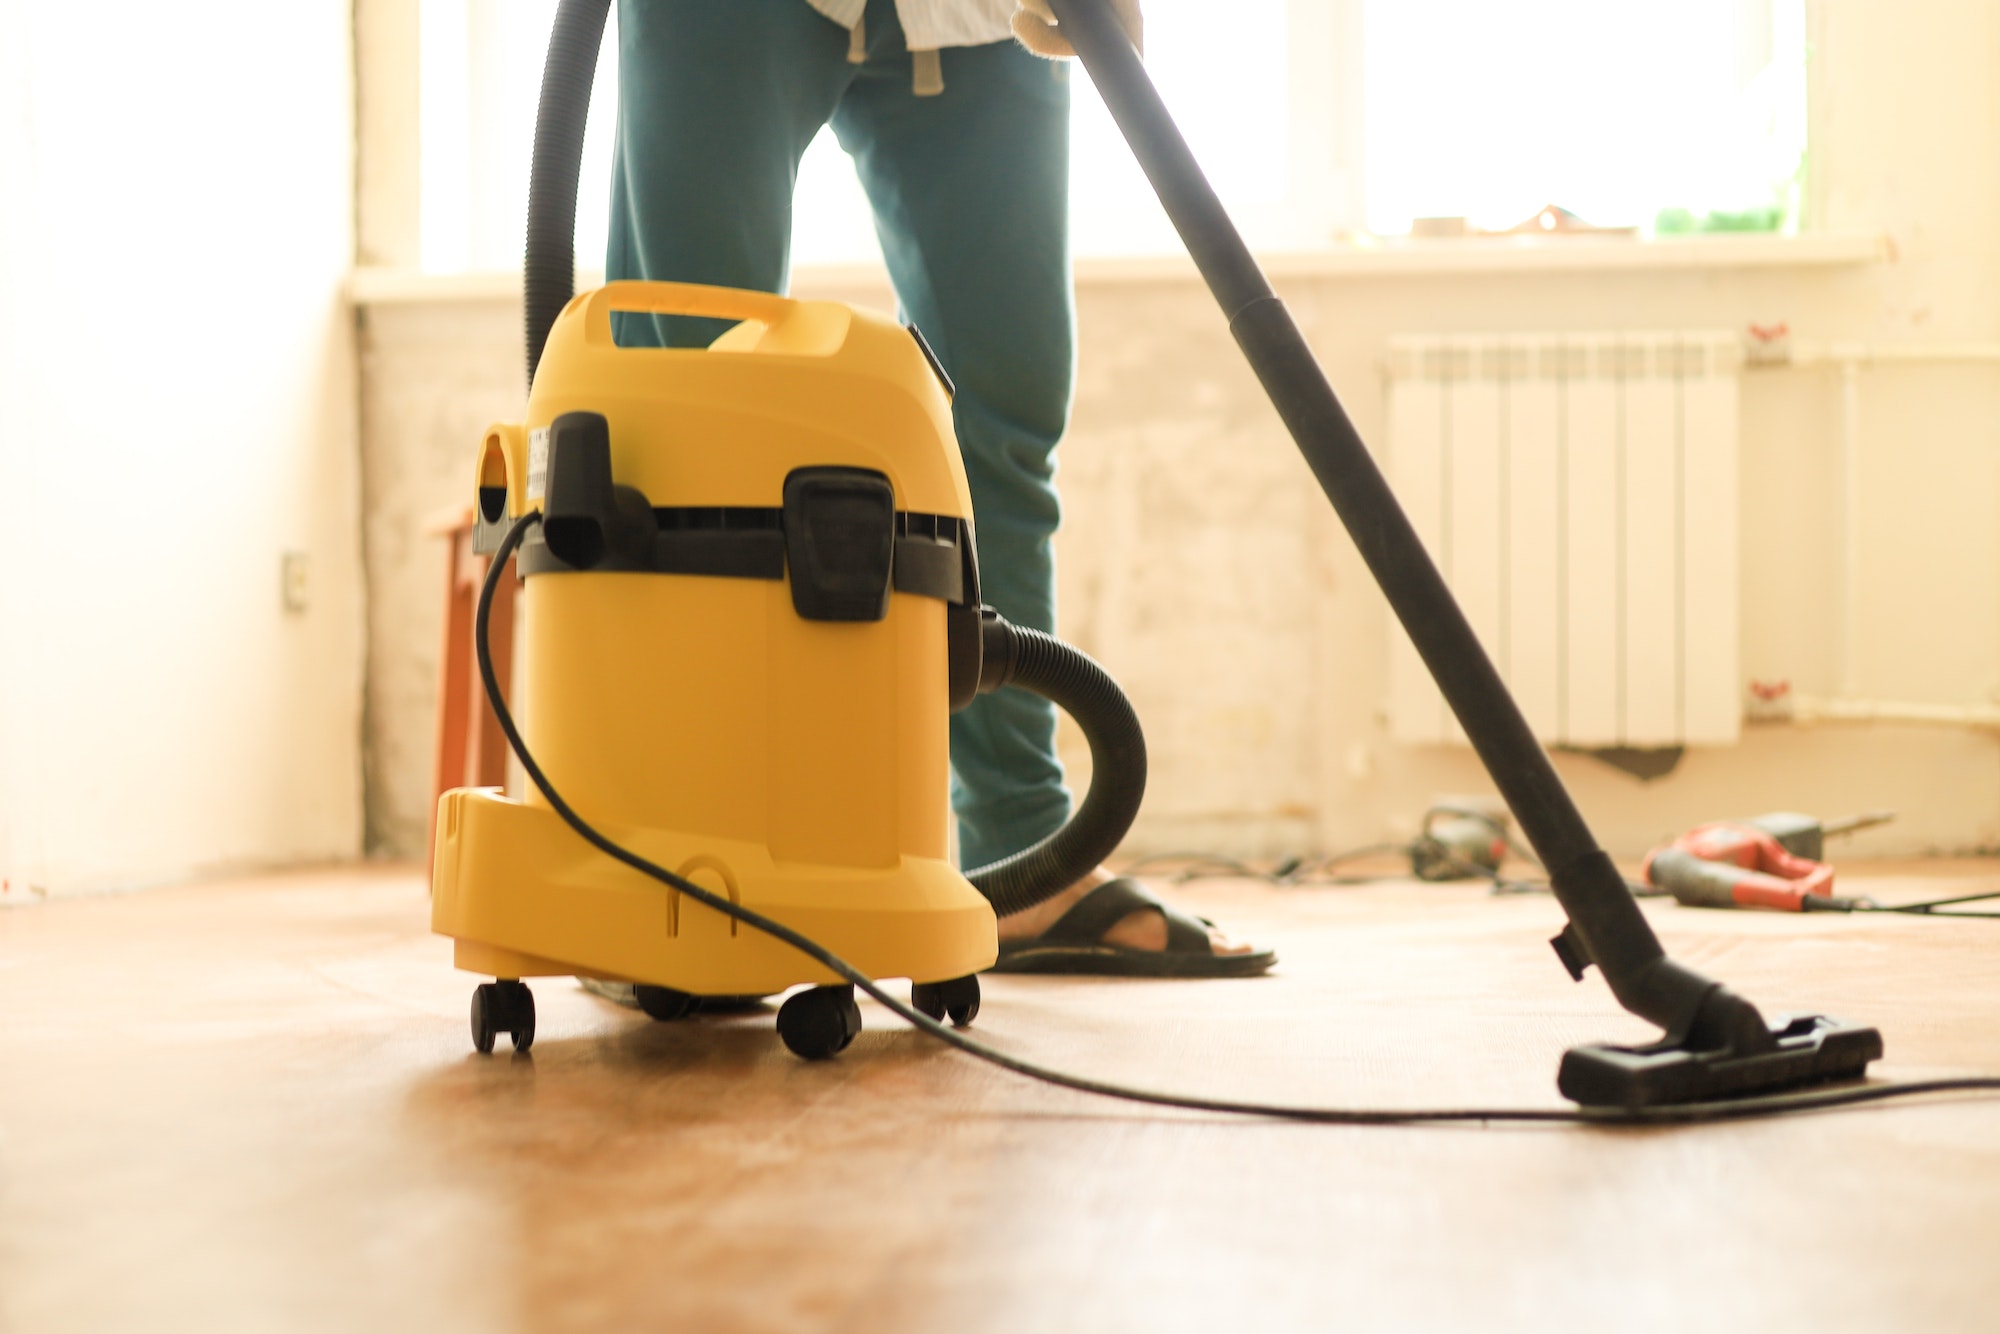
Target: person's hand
[{"x": 1038, "y": 31}]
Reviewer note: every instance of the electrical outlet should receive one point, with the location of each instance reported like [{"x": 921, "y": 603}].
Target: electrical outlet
[{"x": 292, "y": 571}]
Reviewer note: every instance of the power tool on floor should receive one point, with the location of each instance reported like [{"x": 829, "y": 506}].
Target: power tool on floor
[
  {"x": 1460, "y": 839},
  {"x": 749, "y": 606},
  {"x": 599, "y": 468},
  {"x": 1769, "y": 861}
]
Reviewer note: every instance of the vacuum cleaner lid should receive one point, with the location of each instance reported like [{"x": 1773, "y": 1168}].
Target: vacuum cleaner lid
[{"x": 793, "y": 384}]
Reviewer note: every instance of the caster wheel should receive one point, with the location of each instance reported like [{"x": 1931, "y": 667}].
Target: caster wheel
[
  {"x": 482, "y": 1017},
  {"x": 520, "y": 1013},
  {"x": 957, "y": 998},
  {"x": 961, "y": 1000},
  {"x": 664, "y": 1003},
  {"x": 503, "y": 1007},
  {"x": 927, "y": 998},
  {"x": 819, "y": 1023}
]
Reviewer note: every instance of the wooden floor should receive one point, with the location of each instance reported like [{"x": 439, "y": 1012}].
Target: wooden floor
[{"x": 254, "y": 1106}]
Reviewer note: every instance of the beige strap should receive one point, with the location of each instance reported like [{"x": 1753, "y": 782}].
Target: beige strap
[
  {"x": 926, "y": 74},
  {"x": 857, "y": 44}
]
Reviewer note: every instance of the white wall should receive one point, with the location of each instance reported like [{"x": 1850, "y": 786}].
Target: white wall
[
  {"x": 1198, "y": 560},
  {"x": 176, "y": 365}
]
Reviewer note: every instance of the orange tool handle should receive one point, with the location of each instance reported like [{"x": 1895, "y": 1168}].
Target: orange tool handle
[{"x": 1704, "y": 883}]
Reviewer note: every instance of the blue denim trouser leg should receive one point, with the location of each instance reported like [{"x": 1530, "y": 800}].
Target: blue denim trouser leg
[{"x": 970, "y": 190}]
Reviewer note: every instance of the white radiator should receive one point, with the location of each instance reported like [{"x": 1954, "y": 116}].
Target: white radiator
[{"x": 1579, "y": 492}]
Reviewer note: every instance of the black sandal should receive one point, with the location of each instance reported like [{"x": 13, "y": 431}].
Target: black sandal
[{"x": 1074, "y": 942}]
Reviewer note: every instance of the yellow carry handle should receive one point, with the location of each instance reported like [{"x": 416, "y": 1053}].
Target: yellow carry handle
[{"x": 647, "y": 298}]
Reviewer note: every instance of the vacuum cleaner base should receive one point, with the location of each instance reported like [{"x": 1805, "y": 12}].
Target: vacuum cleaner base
[
  {"x": 522, "y": 896},
  {"x": 1807, "y": 1049}
]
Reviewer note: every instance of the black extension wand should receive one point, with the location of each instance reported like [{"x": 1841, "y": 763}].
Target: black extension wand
[{"x": 1715, "y": 1042}]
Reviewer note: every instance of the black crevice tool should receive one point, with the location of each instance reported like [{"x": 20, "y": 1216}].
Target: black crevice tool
[{"x": 1714, "y": 1044}]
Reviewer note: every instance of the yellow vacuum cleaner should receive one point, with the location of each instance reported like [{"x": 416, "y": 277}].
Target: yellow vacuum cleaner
[{"x": 749, "y": 606}]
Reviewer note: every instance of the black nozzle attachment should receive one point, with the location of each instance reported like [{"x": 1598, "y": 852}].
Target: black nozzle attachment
[
  {"x": 588, "y": 520},
  {"x": 1731, "y": 1052},
  {"x": 1716, "y": 1043}
]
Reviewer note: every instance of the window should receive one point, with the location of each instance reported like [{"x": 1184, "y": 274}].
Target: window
[
  {"x": 1314, "y": 118},
  {"x": 481, "y": 73},
  {"x": 1616, "y": 110}
]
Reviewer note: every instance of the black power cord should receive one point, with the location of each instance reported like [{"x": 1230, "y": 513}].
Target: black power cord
[
  {"x": 1930, "y": 907},
  {"x": 1431, "y": 857},
  {"x": 1296, "y": 871},
  {"x": 1737, "y": 1109}
]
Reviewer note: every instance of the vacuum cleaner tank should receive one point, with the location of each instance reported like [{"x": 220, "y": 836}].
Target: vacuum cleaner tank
[{"x": 733, "y": 654}]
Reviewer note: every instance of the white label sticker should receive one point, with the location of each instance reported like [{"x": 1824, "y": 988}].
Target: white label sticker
[{"x": 538, "y": 462}]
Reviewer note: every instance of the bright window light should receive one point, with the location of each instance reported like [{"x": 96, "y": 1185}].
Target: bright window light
[
  {"x": 1612, "y": 109},
  {"x": 481, "y": 72},
  {"x": 1313, "y": 118},
  {"x": 1227, "y": 89},
  {"x": 1225, "y": 81}
]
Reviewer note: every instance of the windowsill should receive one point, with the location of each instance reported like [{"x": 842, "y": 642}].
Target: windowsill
[
  {"x": 1520, "y": 254},
  {"x": 1498, "y": 255}
]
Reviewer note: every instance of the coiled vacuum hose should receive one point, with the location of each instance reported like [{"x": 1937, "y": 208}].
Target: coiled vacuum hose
[{"x": 1069, "y": 679}]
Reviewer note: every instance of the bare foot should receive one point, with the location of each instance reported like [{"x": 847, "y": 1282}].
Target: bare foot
[{"x": 1141, "y": 929}]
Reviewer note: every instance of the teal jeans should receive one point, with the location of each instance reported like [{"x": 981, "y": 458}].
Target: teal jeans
[{"x": 717, "y": 102}]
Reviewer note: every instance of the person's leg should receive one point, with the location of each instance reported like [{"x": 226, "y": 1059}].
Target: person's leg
[
  {"x": 716, "y": 104},
  {"x": 970, "y": 191}
]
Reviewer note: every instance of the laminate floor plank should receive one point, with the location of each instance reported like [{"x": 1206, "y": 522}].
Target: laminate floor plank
[{"x": 253, "y": 1105}]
